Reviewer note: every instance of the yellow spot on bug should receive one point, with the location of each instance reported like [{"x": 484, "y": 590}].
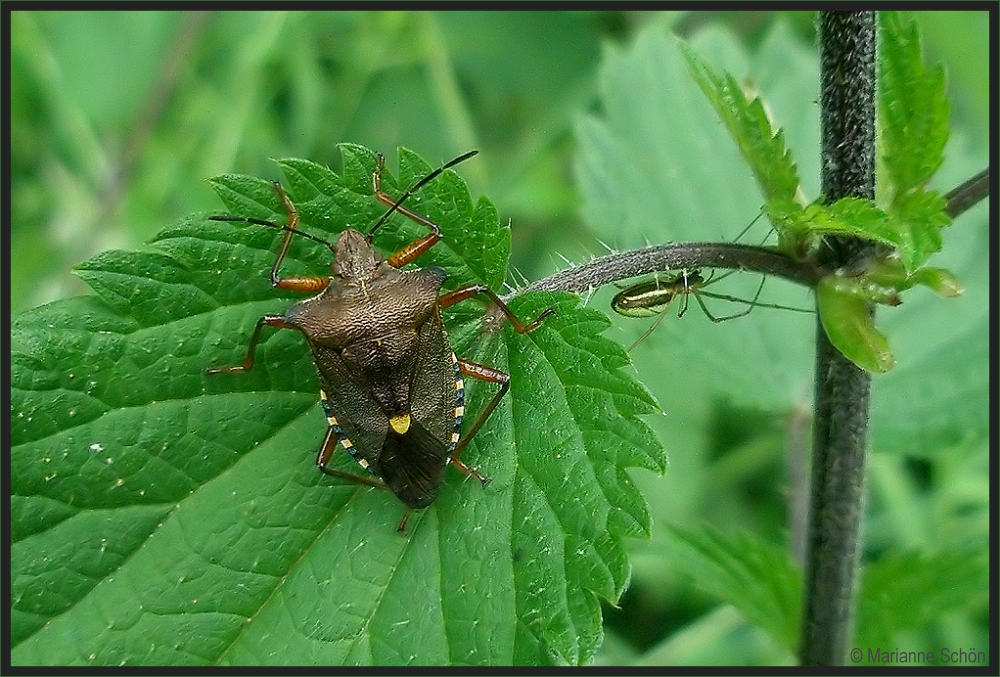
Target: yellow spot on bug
[
  {"x": 363, "y": 463},
  {"x": 400, "y": 423},
  {"x": 459, "y": 412}
]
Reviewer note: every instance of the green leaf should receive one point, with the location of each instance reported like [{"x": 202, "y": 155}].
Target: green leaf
[
  {"x": 920, "y": 217},
  {"x": 843, "y": 310},
  {"x": 645, "y": 181},
  {"x": 938, "y": 395},
  {"x": 906, "y": 591},
  {"x": 912, "y": 228},
  {"x": 720, "y": 637},
  {"x": 912, "y": 105},
  {"x": 913, "y": 117},
  {"x": 748, "y": 122},
  {"x": 890, "y": 273},
  {"x": 758, "y": 578},
  {"x": 942, "y": 282},
  {"x": 847, "y": 216},
  {"x": 657, "y": 166},
  {"x": 164, "y": 516}
]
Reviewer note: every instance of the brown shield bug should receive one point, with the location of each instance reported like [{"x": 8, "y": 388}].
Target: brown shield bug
[{"x": 390, "y": 384}]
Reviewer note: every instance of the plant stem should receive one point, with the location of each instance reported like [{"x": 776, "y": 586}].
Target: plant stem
[
  {"x": 968, "y": 194},
  {"x": 691, "y": 255},
  {"x": 842, "y": 400},
  {"x": 674, "y": 257}
]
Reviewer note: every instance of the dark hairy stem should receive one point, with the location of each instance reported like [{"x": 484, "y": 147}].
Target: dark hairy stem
[{"x": 842, "y": 397}]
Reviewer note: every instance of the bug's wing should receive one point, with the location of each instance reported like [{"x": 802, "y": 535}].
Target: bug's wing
[
  {"x": 437, "y": 394},
  {"x": 362, "y": 425},
  {"x": 412, "y": 465}
]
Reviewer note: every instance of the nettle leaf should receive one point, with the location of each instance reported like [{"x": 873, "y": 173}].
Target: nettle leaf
[
  {"x": 847, "y": 321},
  {"x": 643, "y": 180},
  {"x": 847, "y": 216},
  {"x": 919, "y": 217},
  {"x": 913, "y": 114},
  {"x": 748, "y": 122},
  {"x": 160, "y": 515},
  {"x": 912, "y": 105},
  {"x": 759, "y": 578},
  {"x": 906, "y": 591},
  {"x": 913, "y": 111},
  {"x": 889, "y": 274}
]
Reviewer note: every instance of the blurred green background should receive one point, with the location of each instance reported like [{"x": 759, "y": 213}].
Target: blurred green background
[{"x": 118, "y": 118}]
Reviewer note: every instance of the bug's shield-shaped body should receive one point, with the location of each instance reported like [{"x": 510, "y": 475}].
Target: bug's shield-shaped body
[{"x": 390, "y": 382}]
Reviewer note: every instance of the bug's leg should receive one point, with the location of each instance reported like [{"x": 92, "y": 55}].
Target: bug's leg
[
  {"x": 686, "y": 291},
  {"x": 357, "y": 479},
  {"x": 270, "y": 320},
  {"x": 463, "y": 293},
  {"x": 370, "y": 481},
  {"x": 326, "y": 449},
  {"x": 417, "y": 247},
  {"x": 649, "y": 331},
  {"x": 303, "y": 284},
  {"x": 482, "y": 372},
  {"x": 293, "y": 225},
  {"x": 491, "y": 375},
  {"x": 414, "y": 249},
  {"x": 406, "y": 518},
  {"x": 745, "y": 311},
  {"x": 754, "y": 304}
]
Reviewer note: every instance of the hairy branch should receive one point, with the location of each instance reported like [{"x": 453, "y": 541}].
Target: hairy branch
[
  {"x": 667, "y": 257},
  {"x": 692, "y": 255}
]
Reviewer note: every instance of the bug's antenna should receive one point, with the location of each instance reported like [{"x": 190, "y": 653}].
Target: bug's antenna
[
  {"x": 270, "y": 224},
  {"x": 417, "y": 186}
]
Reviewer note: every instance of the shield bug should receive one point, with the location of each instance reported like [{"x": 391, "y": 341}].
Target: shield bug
[
  {"x": 390, "y": 383},
  {"x": 655, "y": 296}
]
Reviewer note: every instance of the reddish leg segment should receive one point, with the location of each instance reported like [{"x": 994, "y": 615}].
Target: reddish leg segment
[
  {"x": 467, "y": 292},
  {"x": 411, "y": 251},
  {"x": 491, "y": 375},
  {"x": 417, "y": 247},
  {"x": 312, "y": 284},
  {"x": 270, "y": 320}
]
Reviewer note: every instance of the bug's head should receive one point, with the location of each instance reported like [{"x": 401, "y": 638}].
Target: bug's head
[{"x": 354, "y": 257}]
